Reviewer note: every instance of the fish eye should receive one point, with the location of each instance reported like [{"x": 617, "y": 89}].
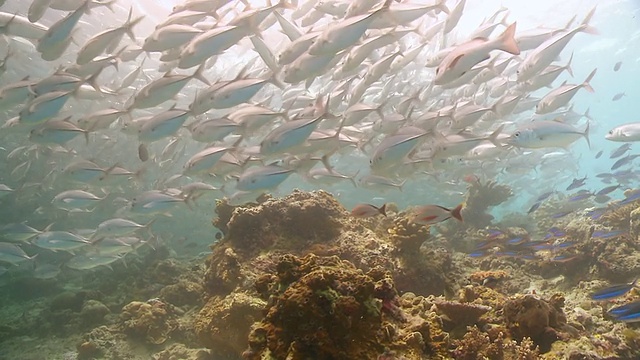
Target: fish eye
[
  {"x": 610, "y": 132},
  {"x": 516, "y": 134}
]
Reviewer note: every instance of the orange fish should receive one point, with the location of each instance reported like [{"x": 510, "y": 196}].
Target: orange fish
[
  {"x": 431, "y": 214},
  {"x": 368, "y": 210}
]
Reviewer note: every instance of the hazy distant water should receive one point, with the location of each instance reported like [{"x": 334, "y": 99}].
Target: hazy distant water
[{"x": 619, "y": 40}]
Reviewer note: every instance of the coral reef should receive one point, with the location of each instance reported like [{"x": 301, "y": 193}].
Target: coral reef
[
  {"x": 153, "y": 321},
  {"x": 298, "y": 278},
  {"x": 237, "y": 311},
  {"x": 541, "y": 321},
  {"x": 291, "y": 223},
  {"x": 479, "y": 345},
  {"x": 328, "y": 310},
  {"x": 406, "y": 235},
  {"x": 325, "y": 308},
  {"x": 484, "y": 277}
]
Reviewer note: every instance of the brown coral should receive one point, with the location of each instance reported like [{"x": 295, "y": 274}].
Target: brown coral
[
  {"x": 482, "y": 277},
  {"x": 480, "y": 197},
  {"x": 532, "y": 317},
  {"x": 290, "y": 223},
  {"x": 457, "y": 314},
  {"x": 407, "y": 235},
  {"x": 329, "y": 310},
  {"x": 152, "y": 320},
  {"x": 223, "y": 324}
]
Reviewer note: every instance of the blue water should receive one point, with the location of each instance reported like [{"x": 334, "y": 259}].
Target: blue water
[{"x": 618, "y": 40}]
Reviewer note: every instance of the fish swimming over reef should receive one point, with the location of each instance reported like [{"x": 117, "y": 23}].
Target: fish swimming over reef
[
  {"x": 432, "y": 214},
  {"x": 368, "y": 210}
]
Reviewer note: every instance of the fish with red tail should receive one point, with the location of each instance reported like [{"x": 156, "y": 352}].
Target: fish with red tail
[
  {"x": 431, "y": 214},
  {"x": 368, "y": 210}
]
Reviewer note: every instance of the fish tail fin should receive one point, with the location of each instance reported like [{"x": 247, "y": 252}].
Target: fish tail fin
[
  {"x": 147, "y": 226},
  {"x": 586, "y": 135},
  {"x": 494, "y": 136},
  {"x": 568, "y": 66},
  {"x": 441, "y": 5},
  {"x": 129, "y": 27},
  {"x": 586, "y": 114},
  {"x": 383, "y": 209},
  {"x": 585, "y": 27},
  {"x": 273, "y": 79},
  {"x": 586, "y": 84},
  {"x": 401, "y": 185},
  {"x": 284, "y": 4},
  {"x": 455, "y": 213},
  {"x": 199, "y": 74},
  {"x": 352, "y": 178},
  {"x": 507, "y": 41}
]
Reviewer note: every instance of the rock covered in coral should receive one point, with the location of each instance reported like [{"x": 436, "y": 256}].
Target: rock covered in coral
[
  {"x": 183, "y": 293},
  {"x": 224, "y": 323},
  {"x": 461, "y": 314},
  {"x": 532, "y": 317},
  {"x": 93, "y": 312},
  {"x": 181, "y": 352},
  {"x": 153, "y": 321},
  {"x": 329, "y": 310},
  {"x": 326, "y": 308},
  {"x": 407, "y": 235},
  {"x": 290, "y": 223},
  {"x": 480, "y": 345}
]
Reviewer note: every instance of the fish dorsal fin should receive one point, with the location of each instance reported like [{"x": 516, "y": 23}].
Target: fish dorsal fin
[{"x": 453, "y": 62}]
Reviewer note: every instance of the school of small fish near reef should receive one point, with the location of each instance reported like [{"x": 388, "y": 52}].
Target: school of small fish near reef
[{"x": 371, "y": 179}]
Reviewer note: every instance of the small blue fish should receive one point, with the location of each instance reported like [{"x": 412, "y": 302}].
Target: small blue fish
[
  {"x": 516, "y": 241},
  {"x": 612, "y": 292},
  {"x": 608, "y": 190},
  {"x": 631, "y": 316},
  {"x": 485, "y": 245},
  {"x": 620, "y": 151},
  {"x": 595, "y": 214},
  {"x": 631, "y": 197},
  {"x": 603, "y": 234},
  {"x": 602, "y": 199},
  {"x": 564, "y": 258},
  {"x": 545, "y": 195},
  {"x": 564, "y": 245},
  {"x": 599, "y": 154},
  {"x": 534, "y": 207},
  {"x": 580, "y": 196},
  {"x": 494, "y": 233},
  {"x": 624, "y": 161},
  {"x": 560, "y": 214},
  {"x": 633, "y": 307},
  {"x": 478, "y": 254},
  {"x": 507, "y": 253},
  {"x": 576, "y": 183},
  {"x": 528, "y": 256}
]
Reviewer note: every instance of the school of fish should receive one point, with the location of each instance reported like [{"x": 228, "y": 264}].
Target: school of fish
[{"x": 127, "y": 124}]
